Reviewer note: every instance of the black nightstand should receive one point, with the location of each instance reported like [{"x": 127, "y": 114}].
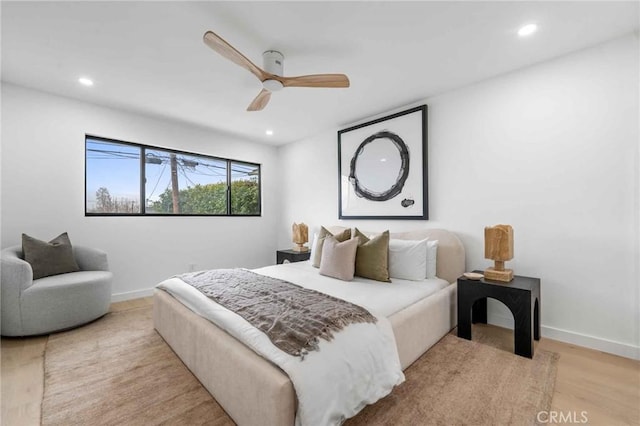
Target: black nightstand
[
  {"x": 521, "y": 295},
  {"x": 292, "y": 256}
]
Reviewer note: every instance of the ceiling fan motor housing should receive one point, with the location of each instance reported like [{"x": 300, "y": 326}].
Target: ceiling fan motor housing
[{"x": 274, "y": 64}]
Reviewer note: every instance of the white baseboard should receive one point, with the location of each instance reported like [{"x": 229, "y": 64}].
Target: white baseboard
[
  {"x": 120, "y": 297},
  {"x": 591, "y": 342}
]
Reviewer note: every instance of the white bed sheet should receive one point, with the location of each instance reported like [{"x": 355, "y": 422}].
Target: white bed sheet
[{"x": 379, "y": 298}]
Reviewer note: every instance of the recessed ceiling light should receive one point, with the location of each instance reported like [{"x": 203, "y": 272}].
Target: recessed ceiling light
[
  {"x": 85, "y": 81},
  {"x": 269, "y": 132},
  {"x": 527, "y": 30}
]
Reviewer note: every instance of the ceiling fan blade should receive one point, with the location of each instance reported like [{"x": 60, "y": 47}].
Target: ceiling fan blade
[
  {"x": 316, "y": 80},
  {"x": 218, "y": 44},
  {"x": 260, "y": 101}
]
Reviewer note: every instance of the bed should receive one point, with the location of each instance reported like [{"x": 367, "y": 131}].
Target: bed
[{"x": 254, "y": 391}]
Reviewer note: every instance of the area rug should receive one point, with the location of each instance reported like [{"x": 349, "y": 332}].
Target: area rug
[{"x": 119, "y": 371}]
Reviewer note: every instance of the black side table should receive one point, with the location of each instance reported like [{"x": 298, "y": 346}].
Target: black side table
[
  {"x": 521, "y": 296},
  {"x": 292, "y": 256}
]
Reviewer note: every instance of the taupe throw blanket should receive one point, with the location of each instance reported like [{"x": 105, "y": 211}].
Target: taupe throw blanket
[{"x": 293, "y": 317}]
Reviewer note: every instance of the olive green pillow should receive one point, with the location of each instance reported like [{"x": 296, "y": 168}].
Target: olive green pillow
[
  {"x": 317, "y": 250},
  {"x": 49, "y": 258},
  {"x": 372, "y": 257}
]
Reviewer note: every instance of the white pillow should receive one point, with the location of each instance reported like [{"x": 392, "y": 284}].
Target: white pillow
[
  {"x": 408, "y": 259},
  {"x": 432, "y": 257},
  {"x": 314, "y": 245}
]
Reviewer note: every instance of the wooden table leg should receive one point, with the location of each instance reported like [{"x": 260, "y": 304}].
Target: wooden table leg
[
  {"x": 464, "y": 318},
  {"x": 523, "y": 329},
  {"x": 479, "y": 311}
]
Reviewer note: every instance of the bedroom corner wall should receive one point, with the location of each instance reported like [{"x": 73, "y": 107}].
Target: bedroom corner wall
[
  {"x": 43, "y": 191},
  {"x": 552, "y": 150}
]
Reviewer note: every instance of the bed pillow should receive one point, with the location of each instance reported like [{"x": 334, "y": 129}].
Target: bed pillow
[
  {"x": 408, "y": 259},
  {"x": 314, "y": 243},
  {"x": 338, "y": 258},
  {"x": 372, "y": 257},
  {"x": 49, "y": 258},
  {"x": 319, "y": 242},
  {"x": 432, "y": 257}
]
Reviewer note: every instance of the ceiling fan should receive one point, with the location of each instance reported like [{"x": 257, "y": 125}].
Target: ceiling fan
[{"x": 271, "y": 76}]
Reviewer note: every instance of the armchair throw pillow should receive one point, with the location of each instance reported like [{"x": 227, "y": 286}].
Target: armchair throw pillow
[{"x": 49, "y": 258}]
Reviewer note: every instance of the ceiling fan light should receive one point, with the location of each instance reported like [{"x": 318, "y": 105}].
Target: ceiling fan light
[{"x": 272, "y": 85}]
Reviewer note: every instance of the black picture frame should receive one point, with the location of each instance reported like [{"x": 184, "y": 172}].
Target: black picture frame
[{"x": 372, "y": 186}]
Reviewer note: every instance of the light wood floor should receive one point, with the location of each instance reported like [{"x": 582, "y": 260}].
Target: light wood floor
[{"x": 606, "y": 387}]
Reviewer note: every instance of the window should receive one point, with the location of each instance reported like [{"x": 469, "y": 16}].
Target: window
[
  {"x": 112, "y": 178},
  {"x": 179, "y": 183},
  {"x": 245, "y": 194},
  {"x": 119, "y": 175}
]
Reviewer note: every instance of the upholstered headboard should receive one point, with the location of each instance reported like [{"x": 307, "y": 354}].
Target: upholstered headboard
[{"x": 451, "y": 258}]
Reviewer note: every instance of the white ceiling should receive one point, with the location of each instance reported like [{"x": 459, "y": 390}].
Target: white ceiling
[{"x": 149, "y": 56}]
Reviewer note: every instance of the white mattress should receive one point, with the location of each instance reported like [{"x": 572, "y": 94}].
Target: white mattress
[{"x": 379, "y": 298}]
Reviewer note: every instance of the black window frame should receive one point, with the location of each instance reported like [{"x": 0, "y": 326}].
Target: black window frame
[{"x": 143, "y": 206}]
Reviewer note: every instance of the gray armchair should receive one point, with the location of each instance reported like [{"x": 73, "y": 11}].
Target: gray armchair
[{"x": 31, "y": 307}]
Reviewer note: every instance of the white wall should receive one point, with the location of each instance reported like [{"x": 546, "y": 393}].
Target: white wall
[
  {"x": 43, "y": 191},
  {"x": 551, "y": 150}
]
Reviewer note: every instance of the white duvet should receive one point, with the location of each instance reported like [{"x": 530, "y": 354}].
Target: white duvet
[{"x": 358, "y": 367}]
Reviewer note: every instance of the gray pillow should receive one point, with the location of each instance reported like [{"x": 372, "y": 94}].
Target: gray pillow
[
  {"x": 338, "y": 258},
  {"x": 49, "y": 258},
  {"x": 324, "y": 233}
]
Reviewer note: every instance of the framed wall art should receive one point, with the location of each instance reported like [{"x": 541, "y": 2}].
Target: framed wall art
[{"x": 382, "y": 168}]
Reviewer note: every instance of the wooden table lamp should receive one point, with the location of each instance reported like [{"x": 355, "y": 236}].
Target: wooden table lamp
[
  {"x": 300, "y": 236},
  {"x": 498, "y": 246}
]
